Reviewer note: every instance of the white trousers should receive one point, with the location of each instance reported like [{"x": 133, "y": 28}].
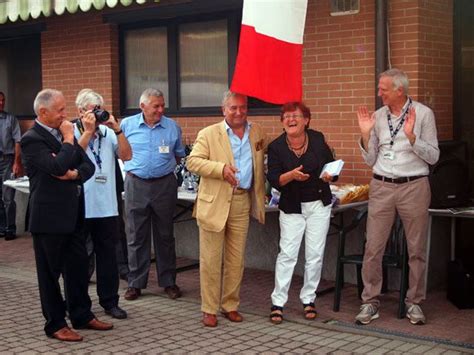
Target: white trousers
[{"x": 313, "y": 222}]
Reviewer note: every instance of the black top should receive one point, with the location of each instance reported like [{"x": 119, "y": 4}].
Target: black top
[{"x": 281, "y": 160}]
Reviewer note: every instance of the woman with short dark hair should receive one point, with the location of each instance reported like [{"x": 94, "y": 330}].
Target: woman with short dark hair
[{"x": 295, "y": 162}]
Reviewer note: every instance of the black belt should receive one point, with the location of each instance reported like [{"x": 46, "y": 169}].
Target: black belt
[
  {"x": 149, "y": 179},
  {"x": 400, "y": 180}
]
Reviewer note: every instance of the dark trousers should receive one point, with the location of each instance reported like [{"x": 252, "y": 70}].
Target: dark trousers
[
  {"x": 104, "y": 232},
  {"x": 7, "y": 197},
  {"x": 121, "y": 246},
  {"x": 62, "y": 254},
  {"x": 149, "y": 207}
]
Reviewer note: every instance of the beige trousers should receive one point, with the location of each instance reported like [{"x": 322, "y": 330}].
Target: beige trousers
[
  {"x": 411, "y": 200},
  {"x": 221, "y": 259}
]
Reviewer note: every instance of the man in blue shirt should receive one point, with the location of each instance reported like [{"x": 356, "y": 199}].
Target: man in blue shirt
[
  {"x": 102, "y": 140},
  {"x": 10, "y": 163},
  {"x": 151, "y": 193}
]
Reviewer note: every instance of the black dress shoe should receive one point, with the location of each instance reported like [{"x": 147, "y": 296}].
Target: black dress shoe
[
  {"x": 116, "y": 312},
  {"x": 10, "y": 236},
  {"x": 173, "y": 292}
]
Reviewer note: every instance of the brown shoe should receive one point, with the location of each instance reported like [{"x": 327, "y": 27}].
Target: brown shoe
[
  {"x": 173, "y": 292},
  {"x": 96, "y": 324},
  {"x": 66, "y": 334},
  {"x": 233, "y": 316},
  {"x": 132, "y": 293},
  {"x": 209, "y": 320}
]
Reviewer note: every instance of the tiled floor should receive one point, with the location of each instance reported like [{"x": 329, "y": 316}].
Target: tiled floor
[{"x": 446, "y": 323}]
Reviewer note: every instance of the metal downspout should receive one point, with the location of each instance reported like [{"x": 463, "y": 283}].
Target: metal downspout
[{"x": 381, "y": 44}]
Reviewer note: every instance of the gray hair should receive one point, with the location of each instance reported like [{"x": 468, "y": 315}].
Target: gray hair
[
  {"x": 147, "y": 93},
  {"x": 399, "y": 79},
  {"x": 229, "y": 94},
  {"x": 87, "y": 97},
  {"x": 45, "y": 99}
]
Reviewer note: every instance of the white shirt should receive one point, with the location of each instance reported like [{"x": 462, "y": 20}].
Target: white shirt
[
  {"x": 409, "y": 160},
  {"x": 101, "y": 197}
]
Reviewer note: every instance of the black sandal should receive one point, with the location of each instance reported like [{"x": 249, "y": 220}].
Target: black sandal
[
  {"x": 309, "y": 311},
  {"x": 276, "y": 315}
]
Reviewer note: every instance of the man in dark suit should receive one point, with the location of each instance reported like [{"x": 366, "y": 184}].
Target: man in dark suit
[{"x": 57, "y": 167}]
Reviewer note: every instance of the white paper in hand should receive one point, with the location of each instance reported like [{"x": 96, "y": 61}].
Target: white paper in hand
[{"x": 333, "y": 168}]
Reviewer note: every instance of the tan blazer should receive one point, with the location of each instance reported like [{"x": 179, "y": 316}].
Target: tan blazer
[{"x": 211, "y": 151}]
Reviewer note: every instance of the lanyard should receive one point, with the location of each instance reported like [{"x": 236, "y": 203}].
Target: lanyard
[
  {"x": 97, "y": 158},
  {"x": 393, "y": 133}
]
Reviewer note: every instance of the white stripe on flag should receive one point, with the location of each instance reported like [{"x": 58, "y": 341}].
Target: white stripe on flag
[{"x": 281, "y": 19}]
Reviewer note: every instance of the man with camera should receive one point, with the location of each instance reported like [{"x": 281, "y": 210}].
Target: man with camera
[
  {"x": 100, "y": 136},
  {"x": 151, "y": 194}
]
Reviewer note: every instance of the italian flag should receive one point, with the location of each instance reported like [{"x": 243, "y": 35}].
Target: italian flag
[{"x": 270, "y": 53}]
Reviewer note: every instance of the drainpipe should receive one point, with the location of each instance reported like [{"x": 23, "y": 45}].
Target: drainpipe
[{"x": 381, "y": 44}]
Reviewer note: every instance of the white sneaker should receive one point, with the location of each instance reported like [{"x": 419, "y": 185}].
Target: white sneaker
[
  {"x": 415, "y": 315},
  {"x": 368, "y": 312}
]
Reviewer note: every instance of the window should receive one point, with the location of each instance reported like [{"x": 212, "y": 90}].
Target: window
[
  {"x": 20, "y": 74},
  {"x": 344, "y": 7},
  {"x": 203, "y": 63},
  {"x": 190, "y": 59},
  {"x": 146, "y": 63}
]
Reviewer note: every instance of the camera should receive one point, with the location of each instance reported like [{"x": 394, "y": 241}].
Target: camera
[{"x": 101, "y": 116}]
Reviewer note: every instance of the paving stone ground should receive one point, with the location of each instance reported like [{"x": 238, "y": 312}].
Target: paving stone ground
[{"x": 157, "y": 324}]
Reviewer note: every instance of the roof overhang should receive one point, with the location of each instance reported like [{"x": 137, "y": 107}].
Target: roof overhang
[{"x": 15, "y": 10}]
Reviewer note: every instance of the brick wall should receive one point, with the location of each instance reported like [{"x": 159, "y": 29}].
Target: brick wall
[
  {"x": 338, "y": 72},
  {"x": 421, "y": 41},
  {"x": 80, "y": 51},
  {"x": 436, "y": 62}
]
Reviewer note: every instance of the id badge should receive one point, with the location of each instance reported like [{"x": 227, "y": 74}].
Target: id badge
[
  {"x": 164, "y": 149},
  {"x": 101, "y": 178},
  {"x": 389, "y": 155}
]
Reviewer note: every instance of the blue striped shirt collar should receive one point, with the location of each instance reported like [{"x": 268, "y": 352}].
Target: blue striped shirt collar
[
  {"x": 248, "y": 125},
  {"x": 161, "y": 123}
]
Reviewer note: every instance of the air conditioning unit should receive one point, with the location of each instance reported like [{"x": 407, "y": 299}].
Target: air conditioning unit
[{"x": 344, "y": 7}]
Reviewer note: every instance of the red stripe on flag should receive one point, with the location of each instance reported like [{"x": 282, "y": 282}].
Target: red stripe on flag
[{"x": 267, "y": 68}]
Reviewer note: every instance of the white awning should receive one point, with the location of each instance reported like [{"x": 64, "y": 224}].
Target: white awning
[{"x": 14, "y": 10}]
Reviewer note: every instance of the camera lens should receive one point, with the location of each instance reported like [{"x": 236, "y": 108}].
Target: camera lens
[{"x": 101, "y": 115}]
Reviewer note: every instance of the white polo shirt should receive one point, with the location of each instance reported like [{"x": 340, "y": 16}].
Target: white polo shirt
[{"x": 99, "y": 191}]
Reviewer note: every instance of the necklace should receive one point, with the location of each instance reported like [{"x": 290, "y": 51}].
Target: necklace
[{"x": 299, "y": 151}]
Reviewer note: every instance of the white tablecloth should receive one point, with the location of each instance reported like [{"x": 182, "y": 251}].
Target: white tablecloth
[{"x": 23, "y": 185}]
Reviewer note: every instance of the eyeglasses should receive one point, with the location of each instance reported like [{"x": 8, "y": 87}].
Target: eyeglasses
[{"x": 292, "y": 116}]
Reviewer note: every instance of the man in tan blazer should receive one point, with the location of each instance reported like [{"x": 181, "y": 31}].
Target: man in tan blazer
[{"x": 229, "y": 158}]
